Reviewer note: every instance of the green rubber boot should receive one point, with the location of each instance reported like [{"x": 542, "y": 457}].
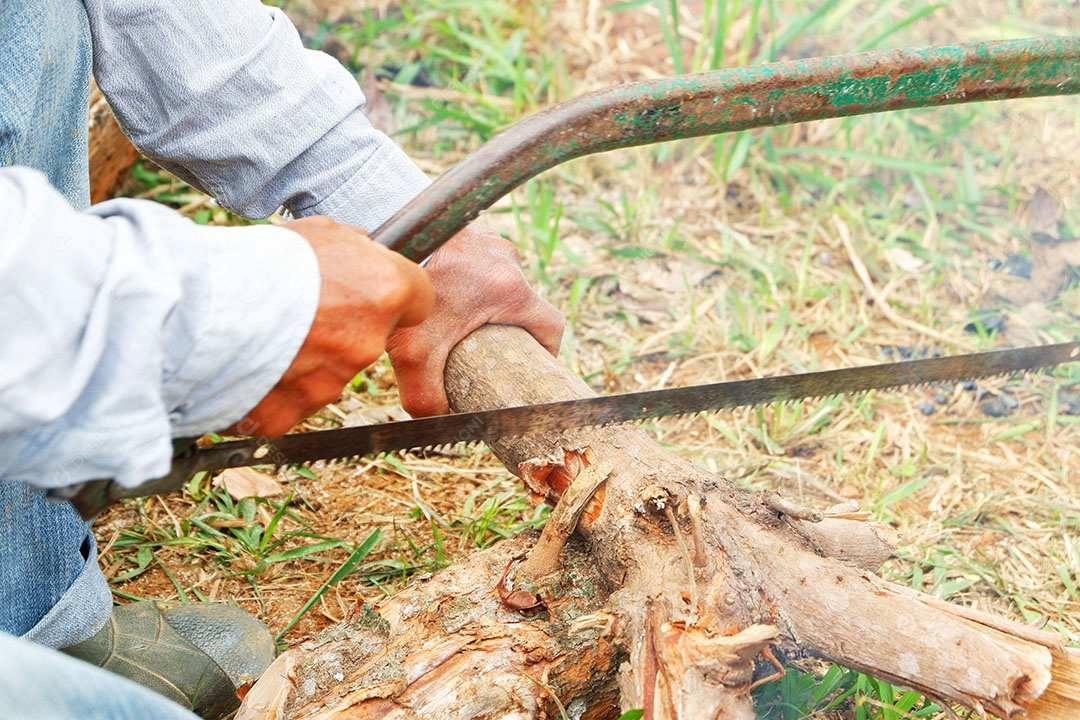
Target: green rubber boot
[{"x": 195, "y": 654}]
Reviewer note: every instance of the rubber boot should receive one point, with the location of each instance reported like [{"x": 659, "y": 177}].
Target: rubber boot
[{"x": 199, "y": 655}]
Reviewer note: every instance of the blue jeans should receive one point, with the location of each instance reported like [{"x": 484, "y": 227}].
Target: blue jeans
[
  {"x": 38, "y": 683},
  {"x": 51, "y": 588}
]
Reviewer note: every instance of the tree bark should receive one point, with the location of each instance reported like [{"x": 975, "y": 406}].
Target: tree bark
[
  {"x": 111, "y": 154},
  {"x": 675, "y": 597}
]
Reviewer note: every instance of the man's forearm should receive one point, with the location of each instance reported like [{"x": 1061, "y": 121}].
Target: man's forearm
[
  {"x": 225, "y": 95},
  {"x": 128, "y": 324}
]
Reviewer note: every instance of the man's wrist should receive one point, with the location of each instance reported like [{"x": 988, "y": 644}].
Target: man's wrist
[{"x": 386, "y": 182}]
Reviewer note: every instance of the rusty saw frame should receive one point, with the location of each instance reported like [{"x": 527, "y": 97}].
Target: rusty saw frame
[
  {"x": 651, "y": 112},
  {"x": 722, "y": 101}
]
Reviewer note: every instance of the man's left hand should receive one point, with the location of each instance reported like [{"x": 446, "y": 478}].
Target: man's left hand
[{"x": 478, "y": 281}]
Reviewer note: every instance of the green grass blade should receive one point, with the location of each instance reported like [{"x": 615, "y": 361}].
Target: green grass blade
[
  {"x": 1016, "y": 431},
  {"x": 897, "y": 27},
  {"x": 361, "y": 551},
  {"x": 304, "y": 550},
  {"x": 669, "y": 26},
  {"x": 772, "y": 51},
  {"x": 909, "y": 488}
]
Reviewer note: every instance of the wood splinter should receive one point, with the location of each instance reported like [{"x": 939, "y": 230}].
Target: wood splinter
[
  {"x": 544, "y": 557},
  {"x": 775, "y": 501}
]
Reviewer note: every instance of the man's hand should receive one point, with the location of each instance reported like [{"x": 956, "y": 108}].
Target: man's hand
[
  {"x": 367, "y": 291},
  {"x": 478, "y": 281}
]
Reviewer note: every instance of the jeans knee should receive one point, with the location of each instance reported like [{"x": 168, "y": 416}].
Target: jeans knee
[{"x": 45, "y": 62}]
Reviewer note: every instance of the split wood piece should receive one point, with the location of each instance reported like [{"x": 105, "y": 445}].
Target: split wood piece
[
  {"x": 691, "y": 559},
  {"x": 111, "y": 154},
  {"x": 588, "y": 477},
  {"x": 584, "y": 478},
  {"x": 446, "y": 647},
  {"x": 846, "y": 533}
]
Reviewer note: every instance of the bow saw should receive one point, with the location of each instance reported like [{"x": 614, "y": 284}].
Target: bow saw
[{"x": 650, "y": 112}]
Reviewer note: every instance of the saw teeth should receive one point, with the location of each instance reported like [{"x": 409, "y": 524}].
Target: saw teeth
[{"x": 764, "y": 392}]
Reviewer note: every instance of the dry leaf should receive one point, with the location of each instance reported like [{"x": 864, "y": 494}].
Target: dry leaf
[
  {"x": 1045, "y": 214},
  {"x": 1023, "y": 325},
  {"x": 1051, "y": 266},
  {"x": 1068, "y": 251},
  {"x": 904, "y": 260},
  {"x": 648, "y": 307},
  {"x": 245, "y": 482},
  {"x": 671, "y": 275}
]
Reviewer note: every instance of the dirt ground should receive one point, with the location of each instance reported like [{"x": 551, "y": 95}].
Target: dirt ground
[{"x": 985, "y": 497}]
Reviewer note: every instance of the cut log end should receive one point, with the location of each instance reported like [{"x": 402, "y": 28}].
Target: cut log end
[{"x": 1061, "y": 699}]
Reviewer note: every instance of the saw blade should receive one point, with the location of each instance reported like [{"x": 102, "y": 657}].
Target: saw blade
[{"x": 499, "y": 423}]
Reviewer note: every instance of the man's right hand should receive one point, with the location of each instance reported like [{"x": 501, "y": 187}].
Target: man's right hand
[{"x": 367, "y": 291}]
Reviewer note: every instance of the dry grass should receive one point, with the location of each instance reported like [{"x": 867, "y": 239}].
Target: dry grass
[{"x": 705, "y": 277}]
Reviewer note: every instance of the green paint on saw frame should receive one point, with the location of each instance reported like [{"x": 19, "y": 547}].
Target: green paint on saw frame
[{"x": 725, "y": 101}]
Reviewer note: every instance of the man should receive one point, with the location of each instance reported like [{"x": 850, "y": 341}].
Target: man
[{"x": 124, "y": 324}]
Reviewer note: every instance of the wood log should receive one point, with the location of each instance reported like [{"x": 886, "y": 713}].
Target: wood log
[
  {"x": 674, "y": 599},
  {"x": 447, "y": 647},
  {"x": 111, "y": 154}
]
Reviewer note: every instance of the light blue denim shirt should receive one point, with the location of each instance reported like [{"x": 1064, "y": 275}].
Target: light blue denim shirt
[
  {"x": 223, "y": 93},
  {"x": 127, "y": 324}
]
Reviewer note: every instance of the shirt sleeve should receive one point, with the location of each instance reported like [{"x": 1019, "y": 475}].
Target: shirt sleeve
[
  {"x": 128, "y": 323},
  {"x": 224, "y": 95}
]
